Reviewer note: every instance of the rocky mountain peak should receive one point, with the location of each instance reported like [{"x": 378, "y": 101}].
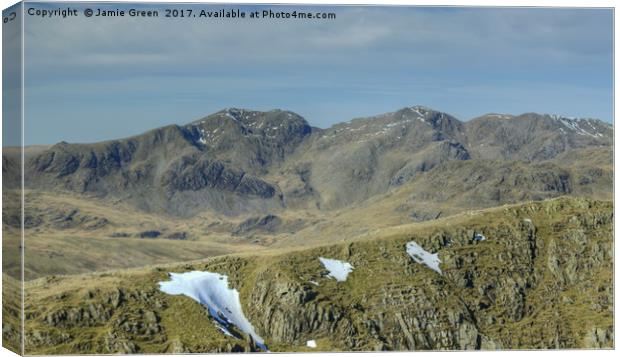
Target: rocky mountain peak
[
  {"x": 241, "y": 116},
  {"x": 420, "y": 110},
  {"x": 436, "y": 119},
  {"x": 254, "y": 118},
  {"x": 405, "y": 116},
  {"x": 230, "y": 123}
]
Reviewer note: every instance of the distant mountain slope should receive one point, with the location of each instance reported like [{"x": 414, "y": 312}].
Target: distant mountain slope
[
  {"x": 241, "y": 161},
  {"x": 533, "y": 137},
  {"x": 354, "y": 161},
  {"x": 211, "y": 163}
]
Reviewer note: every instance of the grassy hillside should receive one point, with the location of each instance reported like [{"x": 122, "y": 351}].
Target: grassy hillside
[
  {"x": 69, "y": 234},
  {"x": 541, "y": 279}
]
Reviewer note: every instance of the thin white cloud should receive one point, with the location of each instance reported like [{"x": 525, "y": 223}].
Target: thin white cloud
[
  {"x": 423, "y": 35},
  {"x": 368, "y": 60}
]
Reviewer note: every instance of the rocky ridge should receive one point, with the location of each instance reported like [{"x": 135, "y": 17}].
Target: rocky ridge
[{"x": 240, "y": 161}]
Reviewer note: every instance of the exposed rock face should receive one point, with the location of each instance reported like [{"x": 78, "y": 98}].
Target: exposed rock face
[
  {"x": 194, "y": 174},
  {"x": 290, "y": 312}
]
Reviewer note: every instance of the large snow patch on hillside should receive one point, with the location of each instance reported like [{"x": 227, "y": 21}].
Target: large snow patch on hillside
[
  {"x": 211, "y": 290},
  {"x": 338, "y": 269},
  {"x": 421, "y": 256}
]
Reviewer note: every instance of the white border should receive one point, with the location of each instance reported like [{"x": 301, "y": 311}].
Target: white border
[{"x": 489, "y": 3}]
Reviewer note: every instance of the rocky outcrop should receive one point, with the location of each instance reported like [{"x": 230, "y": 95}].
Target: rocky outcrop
[
  {"x": 177, "y": 236},
  {"x": 72, "y": 218},
  {"x": 287, "y": 313},
  {"x": 60, "y": 218},
  {"x": 265, "y": 224},
  {"x": 149, "y": 234},
  {"x": 599, "y": 337},
  {"x": 87, "y": 316}
]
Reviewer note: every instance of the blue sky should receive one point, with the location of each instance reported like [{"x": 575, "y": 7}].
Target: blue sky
[{"x": 95, "y": 79}]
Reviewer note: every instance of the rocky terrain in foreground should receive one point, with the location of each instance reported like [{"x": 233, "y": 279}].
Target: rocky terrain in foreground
[{"x": 541, "y": 278}]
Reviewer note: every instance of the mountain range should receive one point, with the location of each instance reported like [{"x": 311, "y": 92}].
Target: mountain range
[{"x": 240, "y": 161}]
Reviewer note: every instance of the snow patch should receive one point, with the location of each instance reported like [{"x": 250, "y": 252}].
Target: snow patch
[
  {"x": 311, "y": 343},
  {"x": 479, "y": 237},
  {"x": 338, "y": 269},
  {"x": 211, "y": 290},
  {"x": 201, "y": 138},
  {"x": 500, "y": 116},
  {"x": 233, "y": 114},
  {"x": 575, "y": 124},
  {"x": 421, "y": 256}
]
